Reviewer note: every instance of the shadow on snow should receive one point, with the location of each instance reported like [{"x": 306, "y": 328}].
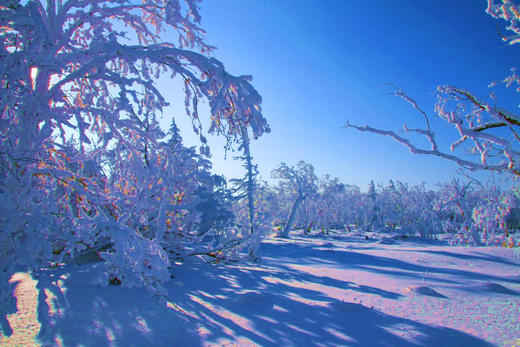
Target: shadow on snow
[
  {"x": 83, "y": 313},
  {"x": 265, "y": 305},
  {"x": 272, "y": 304}
]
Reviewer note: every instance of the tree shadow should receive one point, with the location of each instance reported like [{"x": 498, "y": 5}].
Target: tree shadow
[
  {"x": 277, "y": 303},
  {"x": 356, "y": 259},
  {"x": 485, "y": 257},
  {"x": 74, "y": 311},
  {"x": 268, "y": 306}
]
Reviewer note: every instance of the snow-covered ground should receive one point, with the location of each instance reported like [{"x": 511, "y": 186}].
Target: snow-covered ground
[{"x": 328, "y": 290}]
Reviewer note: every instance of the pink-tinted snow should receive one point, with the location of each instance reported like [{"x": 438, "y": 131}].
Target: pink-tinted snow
[{"x": 319, "y": 290}]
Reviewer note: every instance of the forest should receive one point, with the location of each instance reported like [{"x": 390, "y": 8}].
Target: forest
[{"x": 99, "y": 201}]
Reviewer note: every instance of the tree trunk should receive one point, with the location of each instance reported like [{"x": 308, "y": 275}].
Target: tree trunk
[
  {"x": 285, "y": 232},
  {"x": 250, "y": 186},
  {"x": 254, "y": 248}
]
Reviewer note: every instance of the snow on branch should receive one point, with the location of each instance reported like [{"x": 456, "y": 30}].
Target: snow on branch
[
  {"x": 83, "y": 159},
  {"x": 489, "y": 131},
  {"x": 473, "y": 119},
  {"x": 508, "y": 11}
]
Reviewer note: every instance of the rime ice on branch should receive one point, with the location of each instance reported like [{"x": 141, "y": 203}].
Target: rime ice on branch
[
  {"x": 475, "y": 120},
  {"x": 79, "y": 135}
]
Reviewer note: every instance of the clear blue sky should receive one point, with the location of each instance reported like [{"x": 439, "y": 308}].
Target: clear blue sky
[{"x": 318, "y": 63}]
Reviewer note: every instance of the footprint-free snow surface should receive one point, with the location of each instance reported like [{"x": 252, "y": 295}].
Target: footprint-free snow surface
[{"x": 317, "y": 290}]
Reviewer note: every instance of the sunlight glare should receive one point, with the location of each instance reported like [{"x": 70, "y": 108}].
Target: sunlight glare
[
  {"x": 33, "y": 75},
  {"x": 24, "y": 322}
]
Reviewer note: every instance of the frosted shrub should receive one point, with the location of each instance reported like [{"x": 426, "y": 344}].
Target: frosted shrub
[{"x": 491, "y": 217}]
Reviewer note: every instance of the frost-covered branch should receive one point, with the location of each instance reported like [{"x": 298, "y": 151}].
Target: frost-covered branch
[
  {"x": 473, "y": 120},
  {"x": 430, "y": 136},
  {"x": 509, "y": 11},
  {"x": 82, "y": 155},
  {"x": 488, "y": 131}
]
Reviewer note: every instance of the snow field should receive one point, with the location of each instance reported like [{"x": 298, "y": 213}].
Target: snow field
[{"x": 319, "y": 290}]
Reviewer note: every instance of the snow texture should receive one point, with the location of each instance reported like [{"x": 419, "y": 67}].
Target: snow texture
[{"x": 327, "y": 290}]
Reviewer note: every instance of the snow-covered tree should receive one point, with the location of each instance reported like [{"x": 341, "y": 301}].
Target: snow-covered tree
[
  {"x": 490, "y": 210},
  {"x": 478, "y": 213},
  {"x": 299, "y": 182},
  {"x": 390, "y": 206},
  {"x": 245, "y": 195},
  {"x": 330, "y": 206},
  {"x": 270, "y": 205},
  {"x": 455, "y": 203},
  {"x": 86, "y": 70},
  {"x": 372, "y": 216},
  {"x": 417, "y": 216}
]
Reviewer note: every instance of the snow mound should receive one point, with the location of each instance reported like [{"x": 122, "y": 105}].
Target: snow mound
[
  {"x": 355, "y": 234},
  {"x": 387, "y": 241},
  {"x": 425, "y": 290},
  {"x": 326, "y": 246},
  {"x": 493, "y": 288},
  {"x": 391, "y": 240}
]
